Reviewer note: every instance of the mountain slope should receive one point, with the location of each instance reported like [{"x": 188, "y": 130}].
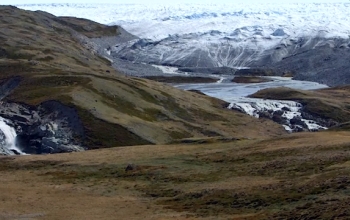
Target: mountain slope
[
  {"x": 216, "y": 49},
  {"x": 54, "y": 60},
  {"x": 52, "y": 77},
  {"x": 259, "y": 35}
]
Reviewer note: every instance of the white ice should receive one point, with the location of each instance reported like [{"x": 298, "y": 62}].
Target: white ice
[
  {"x": 226, "y": 33},
  {"x": 237, "y": 20}
]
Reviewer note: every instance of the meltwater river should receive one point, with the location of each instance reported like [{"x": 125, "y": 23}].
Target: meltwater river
[
  {"x": 236, "y": 94},
  {"x": 8, "y": 135}
]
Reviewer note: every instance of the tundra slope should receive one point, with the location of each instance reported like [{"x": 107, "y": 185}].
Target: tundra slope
[
  {"x": 54, "y": 60},
  {"x": 302, "y": 175}
]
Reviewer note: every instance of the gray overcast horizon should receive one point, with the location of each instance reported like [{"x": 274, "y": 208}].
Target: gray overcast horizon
[{"x": 14, "y": 2}]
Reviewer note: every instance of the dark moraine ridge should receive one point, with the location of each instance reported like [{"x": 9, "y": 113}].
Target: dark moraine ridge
[{"x": 182, "y": 79}]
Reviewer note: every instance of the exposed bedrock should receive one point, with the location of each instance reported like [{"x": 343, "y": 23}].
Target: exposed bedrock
[
  {"x": 292, "y": 115},
  {"x": 327, "y": 64},
  {"x": 50, "y": 127}
]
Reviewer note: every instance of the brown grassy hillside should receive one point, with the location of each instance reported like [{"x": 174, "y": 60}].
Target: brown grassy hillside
[
  {"x": 221, "y": 164},
  {"x": 56, "y": 61},
  {"x": 299, "y": 176}
]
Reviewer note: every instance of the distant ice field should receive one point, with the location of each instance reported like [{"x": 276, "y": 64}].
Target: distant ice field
[{"x": 236, "y": 20}]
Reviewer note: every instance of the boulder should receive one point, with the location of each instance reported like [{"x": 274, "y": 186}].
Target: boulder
[
  {"x": 131, "y": 167},
  {"x": 279, "y": 119},
  {"x": 297, "y": 120}
]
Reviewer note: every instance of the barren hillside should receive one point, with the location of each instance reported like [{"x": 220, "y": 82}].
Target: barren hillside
[{"x": 55, "y": 60}]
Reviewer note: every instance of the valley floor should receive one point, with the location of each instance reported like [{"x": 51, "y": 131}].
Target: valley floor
[{"x": 297, "y": 176}]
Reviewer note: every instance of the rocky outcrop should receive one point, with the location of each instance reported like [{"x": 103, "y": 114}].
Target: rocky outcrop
[
  {"x": 292, "y": 115},
  {"x": 50, "y": 127},
  {"x": 327, "y": 63}
]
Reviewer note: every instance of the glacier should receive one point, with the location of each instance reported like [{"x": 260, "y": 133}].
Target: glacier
[
  {"x": 215, "y": 35},
  {"x": 220, "y": 35},
  {"x": 244, "y": 20}
]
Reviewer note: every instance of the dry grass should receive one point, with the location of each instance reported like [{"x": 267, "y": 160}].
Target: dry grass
[
  {"x": 234, "y": 167},
  {"x": 287, "y": 177},
  {"x": 89, "y": 28}
]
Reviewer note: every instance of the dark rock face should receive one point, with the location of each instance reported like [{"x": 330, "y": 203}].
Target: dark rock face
[
  {"x": 103, "y": 44},
  {"x": 322, "y": 121},
  {"x": 3, "y": 53},
  {"x": 297, "y": 123},
  {"x": 327, "y": 63},
  {"x": 49, "y": 128},
  {"x": 277, "y": 117},
  {"x": 255, "y": 72}
]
